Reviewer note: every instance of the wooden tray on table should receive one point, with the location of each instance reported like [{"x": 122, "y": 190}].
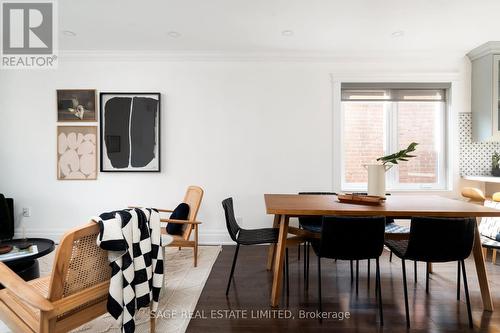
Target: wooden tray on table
[{"x": 360, "y": 199}]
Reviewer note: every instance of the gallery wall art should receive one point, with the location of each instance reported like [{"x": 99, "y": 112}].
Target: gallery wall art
[
  {"x": 77, "y": 152},
  {"x": 76, "y": 105},
  {"x": 130, "y": 132}
]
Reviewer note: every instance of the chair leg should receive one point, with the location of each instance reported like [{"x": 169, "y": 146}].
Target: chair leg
[
  {"x": 407, "y": 311},
  {"x": 415, "y": 271},
  {"x": 152, "y": 320},
  {"x": 357, "y": 276},
  {"x": 494, "y": 256},
  {"x": 307, "y": 266},
  {"x": 352, "y": 275},
  {"x": 458, "y": 280},
  {"x": 232, "y": 268},
  {"x": 379, "y": 293},
  {"x": 195, "y": 249},
  {"x": 152, "y": 325},
  {"x": 305, "y": 262},
  {"x": 427, "y": 278},
  {"x": 298, "y": 252},
  {"x": 390, "y": 256},
  {"x": 467, "y": 299},
  {"x": 287, "y": 274},
  {"x": 320, "y": 305},
  {"x": 368, "y": 274}
]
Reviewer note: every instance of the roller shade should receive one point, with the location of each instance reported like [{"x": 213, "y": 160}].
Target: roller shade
[{"x": 403, "y": 92}]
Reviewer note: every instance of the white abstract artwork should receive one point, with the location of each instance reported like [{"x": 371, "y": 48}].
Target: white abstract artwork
[{"x": 77, "y": 152}]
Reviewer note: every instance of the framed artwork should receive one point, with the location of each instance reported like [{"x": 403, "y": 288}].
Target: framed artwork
[
  {"x": 77, "y": 152},
  {"x": 76, "y": 105},
  {"x": 130, "y": 132}
]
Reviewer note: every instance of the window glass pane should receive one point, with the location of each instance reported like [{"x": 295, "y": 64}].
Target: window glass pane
[
  {"x": 363, "y": 139},
  {"x": 419, "y": 122}
]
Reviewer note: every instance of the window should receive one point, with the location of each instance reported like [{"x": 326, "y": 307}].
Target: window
[{"x": 380, "y": 119}]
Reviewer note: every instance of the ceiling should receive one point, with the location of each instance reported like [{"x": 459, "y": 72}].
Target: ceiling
[{"x": 349, "y": 26}]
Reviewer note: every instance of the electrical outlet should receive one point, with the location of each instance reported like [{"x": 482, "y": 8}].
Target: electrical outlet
[{"x": 26, "y": 211}]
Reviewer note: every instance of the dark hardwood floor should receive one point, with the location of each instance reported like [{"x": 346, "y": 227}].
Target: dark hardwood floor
[{"x": 438, "y": 311}]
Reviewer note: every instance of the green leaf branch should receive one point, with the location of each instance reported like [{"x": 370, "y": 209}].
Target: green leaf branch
[{"x": 401, "y": 156}]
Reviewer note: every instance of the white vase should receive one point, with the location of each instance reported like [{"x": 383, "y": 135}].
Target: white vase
[{"x": 376, "y": 178}]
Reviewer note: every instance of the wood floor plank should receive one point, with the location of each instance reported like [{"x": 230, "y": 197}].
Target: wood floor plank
[{"x": 437, "y": 311}]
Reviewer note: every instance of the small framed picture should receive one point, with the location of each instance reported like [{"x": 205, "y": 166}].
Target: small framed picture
[
  {"x": 76, "y": 105},
  {"x": 130, "y": 132},
  {"x": 76, "y": 152}
]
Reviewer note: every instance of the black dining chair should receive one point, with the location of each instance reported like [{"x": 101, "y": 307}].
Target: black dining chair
[
  {"x": 341, "y": 238},
  {"x": 249, "y": 237},
  {"x": 435, "y": 240},
  {"x": 311, "y": 224},
  {"x": 397, "y": 231}
]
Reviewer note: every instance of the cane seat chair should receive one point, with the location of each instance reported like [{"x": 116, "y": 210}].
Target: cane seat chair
[{"x": 75, "y": 293}]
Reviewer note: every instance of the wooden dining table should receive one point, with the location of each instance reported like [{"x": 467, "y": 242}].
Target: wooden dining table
[{"x": 286, "y": 206}]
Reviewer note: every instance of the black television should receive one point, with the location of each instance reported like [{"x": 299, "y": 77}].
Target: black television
[{"x": 6, "y": 218}]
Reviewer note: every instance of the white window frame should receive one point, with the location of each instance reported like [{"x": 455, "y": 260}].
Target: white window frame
[{"x": 445, "y": 167}]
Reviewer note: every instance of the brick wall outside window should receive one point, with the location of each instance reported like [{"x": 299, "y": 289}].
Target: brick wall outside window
[
  {"x": 364, "y": 139},
  {"x": 417, "y": 123}
]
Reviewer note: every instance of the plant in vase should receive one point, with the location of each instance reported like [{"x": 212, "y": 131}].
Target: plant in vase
[
  {"x": 495, "y": 164},
  {"x": 402, "y": 155},
  {"x": 376, "y": 172}
]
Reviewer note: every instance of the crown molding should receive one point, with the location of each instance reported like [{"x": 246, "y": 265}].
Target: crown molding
[
  {"x": 289, "y": 56},
  {"x": 491, "y": 47},
  {"x": 410, "y": 77}
]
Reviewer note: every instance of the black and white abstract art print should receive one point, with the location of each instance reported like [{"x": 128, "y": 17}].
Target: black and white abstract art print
[{"x": 130, "y": 132}]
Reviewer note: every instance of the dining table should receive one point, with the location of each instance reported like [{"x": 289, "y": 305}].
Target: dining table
[{"x": 286, "y": 206}]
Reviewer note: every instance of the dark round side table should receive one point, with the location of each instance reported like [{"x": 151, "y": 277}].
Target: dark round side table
[{"x": 27, "y": 266}]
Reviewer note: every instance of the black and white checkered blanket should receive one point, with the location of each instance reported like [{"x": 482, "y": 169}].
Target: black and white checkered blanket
[{"x": 133, "y": 241}]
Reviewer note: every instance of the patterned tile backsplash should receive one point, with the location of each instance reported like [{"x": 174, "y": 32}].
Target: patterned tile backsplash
[{"x": 475, "y": 157}]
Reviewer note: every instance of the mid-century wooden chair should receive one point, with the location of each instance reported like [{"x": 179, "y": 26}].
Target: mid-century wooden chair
[
  {"x": 489, "y": 226},
  {"x": 74, "y": 294},
  {"x": 193, "y": 197}
]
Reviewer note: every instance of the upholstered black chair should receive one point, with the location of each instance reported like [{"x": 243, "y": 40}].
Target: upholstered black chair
[
  {"x": 311, "y": 224},
  {"x": 248, "y": 237},
  {"x": 434, "y": 240},
  {"x": 341, "y": 238},
  {"x": 396, "y": 231}
]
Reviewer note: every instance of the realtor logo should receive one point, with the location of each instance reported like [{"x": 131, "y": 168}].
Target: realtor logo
[{"x": 28, "y": 35}]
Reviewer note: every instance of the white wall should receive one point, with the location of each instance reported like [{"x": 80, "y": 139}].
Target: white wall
[{"x": 236, "y": 128}]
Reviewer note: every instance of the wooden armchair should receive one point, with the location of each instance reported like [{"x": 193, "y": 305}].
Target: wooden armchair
[
  {"x": 193, "y": 197},
  {"x": 74, "y": 294}
]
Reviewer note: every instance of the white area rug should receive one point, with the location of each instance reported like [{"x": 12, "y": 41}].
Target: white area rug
[{"x": 183, "y": 286}]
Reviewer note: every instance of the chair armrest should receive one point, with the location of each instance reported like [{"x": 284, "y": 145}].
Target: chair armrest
[
  {"x": 161, "y": 210},
  {"x": 179, "y": 221},
  {"x": 22, "y": 289}
]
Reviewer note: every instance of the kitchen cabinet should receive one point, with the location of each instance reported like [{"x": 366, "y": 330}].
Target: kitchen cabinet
[{"x": 485, "y": 98}]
